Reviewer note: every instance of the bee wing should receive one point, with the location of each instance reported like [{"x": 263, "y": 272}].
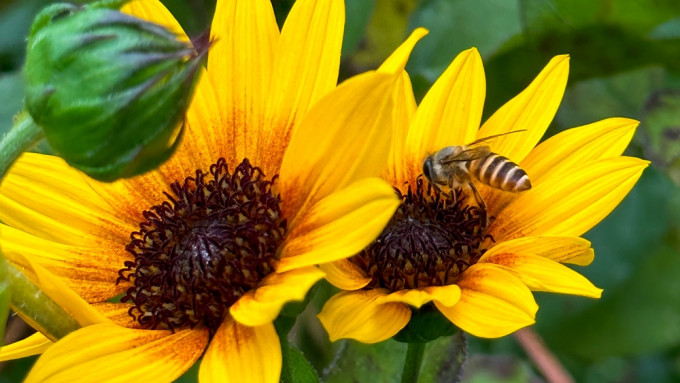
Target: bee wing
[
  {"x": 467, "y": 155},
  {"x": 488, "y": 138}
]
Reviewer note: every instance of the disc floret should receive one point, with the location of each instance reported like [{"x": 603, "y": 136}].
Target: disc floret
[
  {"x": 215, "y": 238},
  {"x": 431, "y": 239}
]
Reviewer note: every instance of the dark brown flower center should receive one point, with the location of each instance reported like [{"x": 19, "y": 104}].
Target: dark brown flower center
[
  {"x": 215, "y": 238},
  {"x": 431, "y": 239}
]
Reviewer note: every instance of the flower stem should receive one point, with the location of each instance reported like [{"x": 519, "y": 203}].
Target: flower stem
[
  {"x": 546, "y": 362},
  {"x": 34, "y": 306},
  {"x": 21, "y": 137},
  {"x": 414, "y": 358},
  {"x": 26, "y": 299}
]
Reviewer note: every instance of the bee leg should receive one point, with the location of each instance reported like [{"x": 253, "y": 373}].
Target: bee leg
[
  {"x": 480, "y": 201},
  {"x": 478, "y": 197},
  {"x": 453, "y": 191}
]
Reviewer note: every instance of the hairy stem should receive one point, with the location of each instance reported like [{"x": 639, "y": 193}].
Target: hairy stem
[
  {"x": 34, "y": 306},
  {"x": 24, "y": 135},
  {"x": 27, "y": 299},
  {"x": 413, "y": 361}
]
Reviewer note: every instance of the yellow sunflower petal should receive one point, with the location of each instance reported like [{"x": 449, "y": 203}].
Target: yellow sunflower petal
[
  {"x": 155, "y": 12},
  {"x": 397, "y": 60},
  {"x": 263, "y": 304},
  {"x": 339, "y": 225},
  {"x": 306, "y": 68},
  {"x": 32, "y": 345},
  {"x": 569, "y": 205},
  {"x": 493, "y": 303},
  {"x": 543, "y": 274},
  {"x": 404, "y": 107},
  {"x": 345, "y": 275},
  {"x": 206, "y": 138},
  {"x": 341, "y": 140},
  {"x": 91, "y": 272},
  {"x": 240, "y": 64},
  {"x": 566, "y": 150},
  {"x": 118, "y": 313},
  {"x": 108, "y": 353},
  {"x": 358, "y": 315},
  {"x": 574, "y": 250},
  {"x": 63, "y": 296},
  {"x": 451, "y": 111},
  {"x": 533, "y": 110},
  {"x": 446, "y": 295},
  {"x": 240, "y": 353},
  {"x": 43, "y": 196},
  {"x": 131, "y": 196}
]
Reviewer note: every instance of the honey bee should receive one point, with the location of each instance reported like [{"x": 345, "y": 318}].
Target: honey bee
[{"x": 457, "y": 166}]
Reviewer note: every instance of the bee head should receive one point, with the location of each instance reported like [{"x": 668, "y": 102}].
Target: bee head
[{"x": 427, "y": 168}]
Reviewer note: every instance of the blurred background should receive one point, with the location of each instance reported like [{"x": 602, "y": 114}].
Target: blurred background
[{"x": 625, "y": 61}]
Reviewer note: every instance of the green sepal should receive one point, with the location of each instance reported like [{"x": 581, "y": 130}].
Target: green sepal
[
  {"x": 109, "y": 90},
  {"x": 426, "y": 324}
]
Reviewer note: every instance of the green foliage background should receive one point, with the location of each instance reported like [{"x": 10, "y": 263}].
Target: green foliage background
[{"x": 625, "y": 61}]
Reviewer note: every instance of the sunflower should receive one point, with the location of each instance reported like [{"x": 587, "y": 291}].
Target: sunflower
[
  {"x": 278, "y": 170},
  {"x": 477, "y": 266}
]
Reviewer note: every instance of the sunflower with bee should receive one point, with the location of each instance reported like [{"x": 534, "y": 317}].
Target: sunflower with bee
[
  {"x": 455, "y": 166},
  {"x": 494, "y": 223}
]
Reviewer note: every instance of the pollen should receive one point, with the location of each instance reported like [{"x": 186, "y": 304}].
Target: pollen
[
  {"x": 430, "y": 240},
  {"x": 214, "y": 238}
]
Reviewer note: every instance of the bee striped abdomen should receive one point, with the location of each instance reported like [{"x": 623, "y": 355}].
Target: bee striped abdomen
[{"x": 499, "y": 172}]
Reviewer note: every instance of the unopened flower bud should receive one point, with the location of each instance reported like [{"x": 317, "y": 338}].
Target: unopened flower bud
[{"x": 108, "y": 89}]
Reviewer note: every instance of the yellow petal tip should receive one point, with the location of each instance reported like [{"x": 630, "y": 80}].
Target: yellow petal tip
[{"x": 419, "y": 33}]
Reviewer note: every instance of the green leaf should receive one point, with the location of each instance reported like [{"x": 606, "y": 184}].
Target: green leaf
[
  {"x": 610, "y": 370},
  {"x": 517, "y": 38},
  {"x": 444, "y": 360},
  {"x": 383, "y": 362},
  {"x": 623, "y": 94},
  {"x": 300, "y": 368},
  {"x": 497, "y": 369},
  {"x": 458, "y": 25},
  {"x": 358, "y": 362},
  {"x": 660, "y": 133},
  {"x": 359, "y": 14},
  {"x": 384, "y": 33},
  {"x": 639, "y": 317},
  {"x": 668, "y": 30},
  {"x": 638, "y": 16},
  {"x": 598, "y": 51}
]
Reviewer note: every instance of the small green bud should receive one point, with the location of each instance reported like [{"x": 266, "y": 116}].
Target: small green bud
[{"x": 108, "y": 89}]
